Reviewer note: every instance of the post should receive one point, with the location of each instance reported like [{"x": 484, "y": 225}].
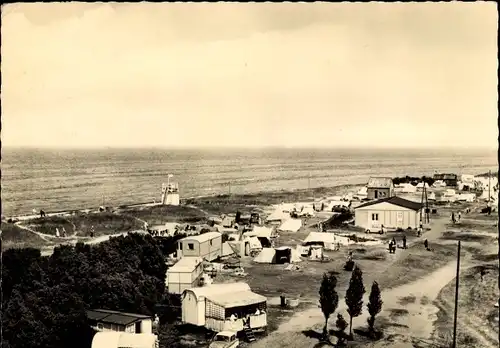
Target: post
[
  {"x": 489, "y": 185},
  {"x": 456, "y": 299},
  {"x": 229, "y": 187}
]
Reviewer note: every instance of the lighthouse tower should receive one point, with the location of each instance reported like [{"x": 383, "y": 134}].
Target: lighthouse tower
[{"x": 170, "y": 192}]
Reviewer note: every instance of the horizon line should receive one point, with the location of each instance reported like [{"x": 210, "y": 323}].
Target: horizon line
[{"x": 215, "y": 147}]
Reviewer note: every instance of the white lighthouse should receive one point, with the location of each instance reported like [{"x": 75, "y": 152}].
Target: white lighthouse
[{"x": 170, "y": 192}]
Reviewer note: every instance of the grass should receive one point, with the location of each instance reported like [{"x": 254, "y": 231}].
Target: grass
[
  {"x": 374, "y": 255},
  {"x": 16, "y": 237},
  {"x": 403, "y": 301},
  {"x": 160, "y": 214},
  {"x": 476, "y": 300},
  {"x": 417, "y": 263},
  {"x": 465, "y": 237},
  {"x": 82, "y": 224},
  {"x": 228, "y": 204}
]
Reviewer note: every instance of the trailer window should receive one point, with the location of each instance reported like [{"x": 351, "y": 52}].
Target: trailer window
[{"x": 190, "y": 246}]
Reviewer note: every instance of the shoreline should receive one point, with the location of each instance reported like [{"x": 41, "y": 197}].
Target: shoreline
[{"x": 94, "y": 209}]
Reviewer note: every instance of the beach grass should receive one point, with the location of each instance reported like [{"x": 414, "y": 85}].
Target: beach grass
[{"x": 15, "y": 237}]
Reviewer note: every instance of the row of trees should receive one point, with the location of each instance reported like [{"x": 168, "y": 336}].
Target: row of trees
[
  {"x": 329, "y": 300},
  {"x": 412, "y": 180},
  {"x": 45, "y": 299}
]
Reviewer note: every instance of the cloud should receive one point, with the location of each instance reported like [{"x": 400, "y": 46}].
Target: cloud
[{"x": 248, "y": 74}]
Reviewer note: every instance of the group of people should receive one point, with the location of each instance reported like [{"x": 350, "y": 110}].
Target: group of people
[
  {"x": 393, "y": 244},
  {"x": 246, "y": 318},
  {"x": 456, "y": 217}
]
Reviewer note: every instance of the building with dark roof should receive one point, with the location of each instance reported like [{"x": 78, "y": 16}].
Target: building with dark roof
[
  {"x": 108, "y": 320},
  {"x": 391, "y": 212},
  {"x": 449, "y": 179},
  {"x": 379, "y": 187}
]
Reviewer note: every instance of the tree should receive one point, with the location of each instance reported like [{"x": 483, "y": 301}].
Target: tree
[
  {"x": 328, "y": 298},
  {"x": 341, "y": 325},
  {"x": 354, "y": 296},
  {"x": 374, "y": 305}
]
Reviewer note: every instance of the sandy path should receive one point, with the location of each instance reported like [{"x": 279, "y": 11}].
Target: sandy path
[{"x": 420, "y": 318}]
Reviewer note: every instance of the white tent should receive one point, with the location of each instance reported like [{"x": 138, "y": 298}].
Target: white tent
[
  {"x": 316, "y": 252},
  {"x": 406, "y": 188},
  {"x": 278, "y": 216},
  {"x": 307, "y": 211},
  {"x": 291, "y": 225},
  {"x": 274, "y": 255},
  {"x": 328, "y": 240},
  {"x": 466, "y": 197},
  {"x": 362, "y": 193},
  {"x": 260, "y": 231}
]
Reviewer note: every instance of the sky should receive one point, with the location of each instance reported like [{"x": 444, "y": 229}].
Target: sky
[{"x": 250, "y": 75}]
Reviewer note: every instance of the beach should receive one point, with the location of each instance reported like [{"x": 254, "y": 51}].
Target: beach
[{"x": 75, "y": 179}]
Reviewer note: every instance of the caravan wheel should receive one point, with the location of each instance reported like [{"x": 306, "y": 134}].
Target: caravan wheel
[{"x": 367, "y": 231}]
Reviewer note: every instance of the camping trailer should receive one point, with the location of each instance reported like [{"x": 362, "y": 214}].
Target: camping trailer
[
  {"x": 206, "y": 245},
  {"x": 214, "y": 305},
  {"x": 185, "y": 274}
]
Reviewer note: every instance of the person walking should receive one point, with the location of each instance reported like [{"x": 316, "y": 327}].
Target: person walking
[
  {"x": 426, "y": 244},
  {"x": 453, "y": 217},
  {"x": 459, "y": 216},
  {"x": 404, "y": 242}
]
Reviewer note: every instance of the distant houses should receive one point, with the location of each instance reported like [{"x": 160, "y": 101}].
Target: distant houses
[
  {"x": 449, "y": 179},
  {"x": 380, "y": 187}
]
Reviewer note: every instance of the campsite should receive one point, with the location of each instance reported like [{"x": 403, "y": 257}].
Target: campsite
[{"x": 279, "y": 261}]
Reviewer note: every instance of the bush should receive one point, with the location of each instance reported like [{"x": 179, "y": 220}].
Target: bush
[{"x": 349, "y": 265}]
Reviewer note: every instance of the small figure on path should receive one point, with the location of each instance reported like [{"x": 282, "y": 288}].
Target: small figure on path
[
  {"x": 394, "y": 241},
  {"x": 459, "y": 216},
  {"x": 453, "y": 217},
  {"x": 57, "y": 232},
  {"x": 426, "y": 244},
  {"x": 404, "y": 242},
  {"x": 419, "y": 231},
  {"x": 483, "y": 273},
  {"x": 382, "y": 229},
  {"x": 349, "y": 256}
]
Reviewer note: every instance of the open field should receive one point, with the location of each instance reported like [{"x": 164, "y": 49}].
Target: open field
[
  {"x": 15, "y": 237},
  {"x": 159, "y": 214},
  {"x": 228, "y": 204},
  {"x": 82, "y": 224}
]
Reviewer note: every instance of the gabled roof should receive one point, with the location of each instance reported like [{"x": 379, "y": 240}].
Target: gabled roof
[
  {"x": 203, "y": 237},
  {"x": 114, "y": 317},
  {"x": 185, "y": 264},
  {"x": 400, "y": 202},
  {"x": 379, "y": 182}
]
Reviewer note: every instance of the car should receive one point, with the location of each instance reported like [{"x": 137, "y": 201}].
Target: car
[{"x": 225, "y": 339}]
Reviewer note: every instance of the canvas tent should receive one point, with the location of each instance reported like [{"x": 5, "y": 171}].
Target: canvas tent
[
  {"x": 278, "y": 255},
  {"x": 278, "y": 216},
  {"x": 362, "y": 193},
  {"x": 291, "y": 225},
  {"x": 406, "y": 188},
  {"x": 327, "y": 240}
]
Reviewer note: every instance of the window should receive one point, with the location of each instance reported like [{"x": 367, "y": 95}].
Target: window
[
  {"x": 190, "y": 246},
  {"x": 374, "y": 217},
  {"x": 100, "y": 326}
]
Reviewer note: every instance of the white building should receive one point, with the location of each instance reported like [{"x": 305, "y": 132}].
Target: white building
[
  {"x": 124, "y": 340},
  {"x": 206, "y": 245},
  {"x": 222, "y": 307},
  {"x": 392, "y": 212},
  {"x": 108, "y": 320},
  {"x": 405, "y": 188},
  {"x": 185, "y": 274}
]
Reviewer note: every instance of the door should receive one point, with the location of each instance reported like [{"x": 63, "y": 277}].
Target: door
[
  {"x": 138, "y": 327},
  {"x": 399, "y": 219},
  {"x": 376, "y": 194}
]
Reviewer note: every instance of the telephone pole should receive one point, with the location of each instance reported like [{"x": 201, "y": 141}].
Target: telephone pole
[
  {"x": 456, "y": 299},
  {"x": 489, "y": 185}
]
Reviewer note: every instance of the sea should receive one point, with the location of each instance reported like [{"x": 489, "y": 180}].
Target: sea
[{"x": 56, "y": 180}]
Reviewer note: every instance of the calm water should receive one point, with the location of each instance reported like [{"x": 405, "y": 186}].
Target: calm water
[{"x": 71, "y": 179}]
